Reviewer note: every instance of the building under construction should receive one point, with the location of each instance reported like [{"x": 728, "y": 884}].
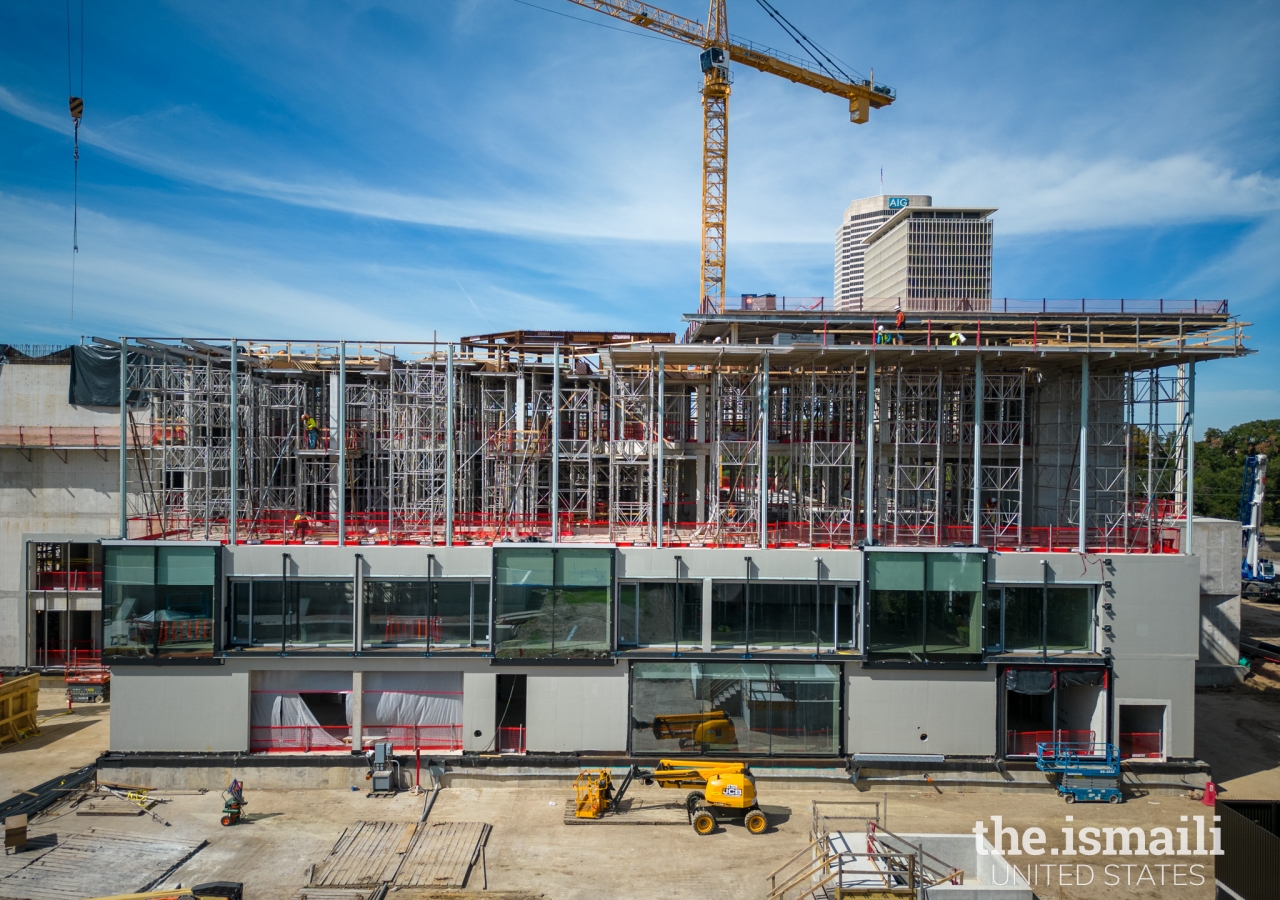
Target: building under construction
[
  {"x": 793, "y": 517},
  {"x": 1008, "y": 430}
]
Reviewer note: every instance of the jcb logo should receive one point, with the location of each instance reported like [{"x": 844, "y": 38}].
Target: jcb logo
[{"x": 733, "y": 791}]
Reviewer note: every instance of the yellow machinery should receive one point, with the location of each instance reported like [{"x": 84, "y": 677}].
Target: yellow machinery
[
  {"x": 718, "y": 49},
  {"x": 214, "y": 890},
  {"x": 713, "y": 728},
  {"x": 728, "y": 791},
  {"x": 725, "y": 790}
]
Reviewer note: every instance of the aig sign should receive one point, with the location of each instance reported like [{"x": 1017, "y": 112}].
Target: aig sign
[{"x": 899, "y": 202}]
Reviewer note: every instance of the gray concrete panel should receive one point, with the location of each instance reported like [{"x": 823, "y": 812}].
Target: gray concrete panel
[
  {"x": 189, "y": 709},
  {"x": 890, "y": 709},
  {"x": 576, "y": 709},
  {"x": 479, "y": 710}
]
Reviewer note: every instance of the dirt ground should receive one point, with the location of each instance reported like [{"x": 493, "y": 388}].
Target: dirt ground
[{"x": 533, "y": 854}]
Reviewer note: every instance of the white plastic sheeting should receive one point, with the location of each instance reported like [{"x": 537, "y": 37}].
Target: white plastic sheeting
[
  {"x": 283, "y": 719},
  {"x": 411, "y": 698}
]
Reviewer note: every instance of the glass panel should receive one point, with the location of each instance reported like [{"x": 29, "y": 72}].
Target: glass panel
[
  {"x": 716, "y": 708},
  {"x": 396, "y": 612},
  {"x": 994, "y": 613},
  {"x": 266, "y": 612},
  {"x": 534, "y": 617},
  {"x": 186, "y": 565},
  {"x": 240, "y": 612},
  {"x": 452, "y": 612},
  {"x": 628, "y": 614},
  {"x": 1070, "y": 625},
  {"x": 728, "y": 613},
  {"x": 953, "y": 605},
  {"x": 524, "y": 566},
  {"x": 185, "y": 620},
  {"x": 895, "y": 624},
  {"x": 321, "y": 612},
  {"x": 130, "y": 565},
  {"x": 654, "y": 612},
  {"x": 128, "y": 618},
  {"x": 1022, "y": 618},
  {"x": 895, "y": 571},
  {"x": 784, "y": 615},
  {"x": 480, "y": 613}
]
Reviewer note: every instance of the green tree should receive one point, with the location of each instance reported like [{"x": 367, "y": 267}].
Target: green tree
[{"x": 1220, "y": 468}]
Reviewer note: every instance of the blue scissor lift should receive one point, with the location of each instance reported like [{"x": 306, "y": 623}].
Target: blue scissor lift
[{"x": 1086, "y": 771}]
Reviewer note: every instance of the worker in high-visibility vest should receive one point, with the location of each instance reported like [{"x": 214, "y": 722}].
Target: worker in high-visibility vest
[
  {"x": 312, "y": 429},
  {"x": 957, "y": 338}
]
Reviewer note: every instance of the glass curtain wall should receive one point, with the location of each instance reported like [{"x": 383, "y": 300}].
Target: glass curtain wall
[
  {"x": 924, "y": 607},
  {"x": 656, "y": 613},
  {"x": 725, "y": 708},
  {"x": 438, "y": 612},
  {"x": 158, "y": 601},
  {"x": 773, "y": 614},
  {"x": 1040, "y": 618},
  {"x": 553, "y": 602},
  {"x": 315, "y": 612}
]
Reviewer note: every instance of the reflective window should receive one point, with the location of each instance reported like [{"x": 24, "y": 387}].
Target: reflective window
[
  {"x": 783, "y": 614},
  {"x": 553, "y": 602},
  {"x": 159, "y": 601},
  {"x": 657, "y": 612},
  {"x": 726, "y": 708},
  {"x": 924, "y": 607},
  {"x": 1039, "y": 618},
  {"x": 452, "y": 613},
  {"x": 317, "y": 613}
]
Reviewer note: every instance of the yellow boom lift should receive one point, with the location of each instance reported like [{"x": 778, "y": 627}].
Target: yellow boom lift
[
  {"x": 722, "y": 790},
  {"x": 692, "y": 730},
  {"x": 820, "y": 72}
]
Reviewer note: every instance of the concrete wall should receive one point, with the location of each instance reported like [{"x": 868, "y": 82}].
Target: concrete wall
[
  {"x": 888, "y": 710},
  {"x": 575, "y": 709},
  {"x": 67, "y": 495},
  {"x": 1218, "y": 547},
  {"x": 172, "y": 708},
  {"x": 479, "y": 710}
]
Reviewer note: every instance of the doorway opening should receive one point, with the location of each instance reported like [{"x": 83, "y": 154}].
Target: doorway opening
[{"x": 510, "y": 708}]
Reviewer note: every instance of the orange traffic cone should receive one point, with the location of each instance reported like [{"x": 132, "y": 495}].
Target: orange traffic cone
[{"x": 1210, "y": 794}]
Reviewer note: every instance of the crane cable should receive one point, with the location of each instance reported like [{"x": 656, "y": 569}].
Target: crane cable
[
  {"x": 76, "y": 105},
  {"x": 805, "y": 43}
]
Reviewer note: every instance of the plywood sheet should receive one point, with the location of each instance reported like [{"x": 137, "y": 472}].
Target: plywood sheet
[{"x": 97, "y": 863}]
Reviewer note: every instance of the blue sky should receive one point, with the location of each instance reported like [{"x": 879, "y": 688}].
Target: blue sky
[{"x": 394, "y": 170}]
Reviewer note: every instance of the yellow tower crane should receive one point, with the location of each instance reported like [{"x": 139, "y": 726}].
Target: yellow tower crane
[{"x": 718, "y": 49}]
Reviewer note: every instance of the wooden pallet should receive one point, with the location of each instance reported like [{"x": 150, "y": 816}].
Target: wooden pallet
[
  {"x": 442, "y": 855},
  {"x": 407, "y": 854},
  {"x": 95, "y": 864},
  {"x": 365, "y": 855}
]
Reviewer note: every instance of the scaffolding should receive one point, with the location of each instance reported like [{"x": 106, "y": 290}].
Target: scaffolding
[{"x": 639, "y": 440}]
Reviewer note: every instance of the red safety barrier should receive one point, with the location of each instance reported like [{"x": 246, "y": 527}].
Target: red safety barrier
[
  {"x": 1023, "y": 743},
  {"x": 299, "y": 738},
  {"x": 511, "y": 739},
  {"x": 1141, "y": 745},
  {"x": 62, "y": 580},
  {"x": 404, "y": 629},
  {"x": 411, "y": 738}
]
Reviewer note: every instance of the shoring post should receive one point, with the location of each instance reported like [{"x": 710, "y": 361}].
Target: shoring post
[
  {"x": 977, "y": 449},
  {"x": 449, "y": 461},
  {"x": 342, "y": 445},
  {"x": 234, "y": 476},
  {"x": 1190, "y": 457},
  {"x": 764, "y": 452},
  {"x": 868, "y": 499},
  {"x": 124, "y": 439},
  {"x": 555, "y": 445},
  {"x": 661, "y": 481},
  {"x": 1082, "y": 541}
]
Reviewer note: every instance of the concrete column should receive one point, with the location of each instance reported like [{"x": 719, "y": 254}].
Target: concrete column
[
  {"x": 706, "y": 614},
  {"x": 700, "y": 423},
  {"x": 124, "y": 440},
  {"x": 868, "y": 501},
  {"x": 1082, "y": 541},
  {"x": 234, "y": 511},
  {"x": 660, "y": 419},
  {"x": 1190, "y": 457},
  {"x": 555, "y": 445},
  {"x": 342, "y": 443},
  {"x": 449, "y": 461},
  {"x": 764, "y": 453},
  {"x": 700, "y": 475},
  {"x": 977, "y": 449},
  {"x": 357, "y": 711}
]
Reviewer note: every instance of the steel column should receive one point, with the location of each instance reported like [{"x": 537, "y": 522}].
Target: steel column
[
  {"x": 764, "y": 453},
  {"x": 1190, "y": 457},
  {"x": 868, "y": 502},
  {"x": 449, "y": 461},
  {"x": 234, "y": 512},
  {"x": 124, "y": 446},
  {"x": 342, "y": 445},
  {"x": 555, "y": 445},
  {"x": 1082, "y": 542},
  {"x": 661, "y": 481},
  {"x": 977, "y": 449}
]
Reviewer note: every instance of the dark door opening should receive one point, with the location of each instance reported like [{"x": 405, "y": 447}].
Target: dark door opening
[{"x": 510, "y": 707}]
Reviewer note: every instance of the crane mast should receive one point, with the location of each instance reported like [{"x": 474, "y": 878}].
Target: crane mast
[{"x": 718, "y": 50}]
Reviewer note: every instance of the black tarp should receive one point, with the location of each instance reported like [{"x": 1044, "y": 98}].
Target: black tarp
[
  {"x": 1029, "y": 681},
  {"x": 1069, "y": 677},
  {"x": 95, "y": 377}
]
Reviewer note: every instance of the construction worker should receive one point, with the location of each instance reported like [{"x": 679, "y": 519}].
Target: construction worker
[
  {"x": 300, "y": 526},
  {"x": 957, "y": 338},
  {"x": 311, "y": 428}
]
